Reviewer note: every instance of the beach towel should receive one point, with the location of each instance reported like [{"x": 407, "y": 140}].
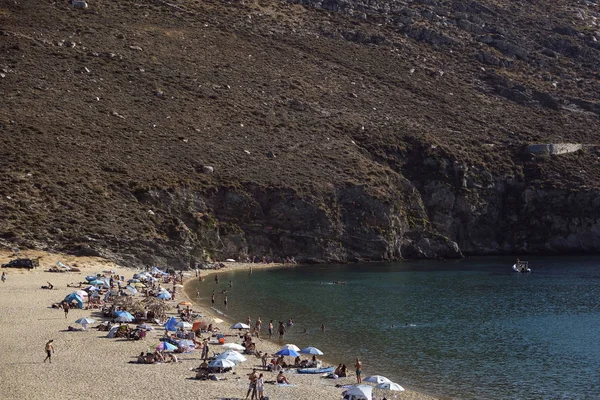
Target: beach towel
[{"x": 285, "y": 384}]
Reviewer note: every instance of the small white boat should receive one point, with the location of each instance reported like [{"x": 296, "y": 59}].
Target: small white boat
[{"x": 521, "y": 266}]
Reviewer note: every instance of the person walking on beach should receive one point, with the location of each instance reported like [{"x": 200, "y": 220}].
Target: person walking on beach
[
  {"x": 3, "y": 277},
  {"x": 212, "y": 299},
  {"x": 281, "y": 330},
  {"x": 225, "y": 301},
  {"x": 217, "y": 279},
  {"x": 270, "y": 329},
  {"x": 66, "y": 308},
  {"x": 49, "y": 350},
  {"x": 258, "y": 324},
  {"x": 358, "y": 367},
  {"x": 204, "y": 355}
]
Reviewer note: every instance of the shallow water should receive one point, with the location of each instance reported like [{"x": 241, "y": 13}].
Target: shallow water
[{"x": 469, "y": 329}]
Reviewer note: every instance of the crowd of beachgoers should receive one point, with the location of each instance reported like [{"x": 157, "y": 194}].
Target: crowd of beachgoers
[{"x": 150, "y": 321}]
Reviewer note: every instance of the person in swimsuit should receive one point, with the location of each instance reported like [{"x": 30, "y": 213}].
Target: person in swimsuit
[
  {"x": 49, "y": 350},
  {"x": 358, "y": 367},
  {"x": 260, "y": 386},
  {"x": 253, "y": 377}
]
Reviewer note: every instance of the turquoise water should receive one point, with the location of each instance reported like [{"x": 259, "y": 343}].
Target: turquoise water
[{"x": 470, "y": 329}]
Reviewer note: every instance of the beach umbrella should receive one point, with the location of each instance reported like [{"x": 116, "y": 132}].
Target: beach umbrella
[
  {"x": 291, "y": 347},
  {"x": 232, "y": 355},
  {"x": 365, "y": 391},
  {"x": 221, "y": 363},
  {"x": 146, "y": 327},
  {"x": 131, "y": 289},
  {"x": 96, "y": 282},
  {"x": 390, "y": 386},
  {"x": 287, "y": 352},
  {"x": 311, "y": 350},
  {"x": 82, "y": 293},
  {"x": 133, "y": 281},
  {"x": 92, "y": 288},
  {"x": 139, "y": 284},
  {"x": 164, "y": 295},
  {"x": 166, "y": 346},
  {"x": 240, "y": 325},
  {"x": 185, "y": 303},
  {"x": 219, "y": 320},
  {"x": 124, "y": 316},
  {"x": 85, "y": 321},
  {"x": 90, "y": 278},
  {"x": 376, "y": 379},
  {"x": 233, "y": 346},
  {"x": 184, "y": 325}
]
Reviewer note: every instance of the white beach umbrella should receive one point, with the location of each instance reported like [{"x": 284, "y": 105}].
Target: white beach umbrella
[
  {"x": 184, "y": 325},
  {"x": 85, "y": 321},
  {"x": 390, "y": 386},
  {"x": 376, "y": 379},
  {"x": 233, "y": 346},
  {"x": 365, "y": 391},
  {"x": 232, "y": 355},
  {"x": 221, "y": 363},
  {"x": 240, "y": 325},
  {"x": 290, "y": 347}
]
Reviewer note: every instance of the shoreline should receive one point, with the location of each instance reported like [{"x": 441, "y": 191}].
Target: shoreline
[
  {"x": 273, "y": 343},
  {"x": 88, "y": 362}
]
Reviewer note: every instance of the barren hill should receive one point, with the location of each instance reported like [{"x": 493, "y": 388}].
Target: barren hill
[{"x": 157, "y": 132}]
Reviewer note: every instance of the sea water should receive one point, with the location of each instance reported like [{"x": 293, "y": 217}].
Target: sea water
[{"x": 469, "y": 329}]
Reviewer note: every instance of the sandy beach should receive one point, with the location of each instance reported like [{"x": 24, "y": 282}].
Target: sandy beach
[{"x": 91, "y": 365}]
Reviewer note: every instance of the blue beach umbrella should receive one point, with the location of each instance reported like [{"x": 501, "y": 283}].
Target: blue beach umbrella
[
  {"x": 311, "y": 350},
  {"x": 96, "y": 282},
  {"x": 164, "y": 295},
  {"x": 166, "y": 346},
  {"x": 126, "y": 317},
  {"x": 131, "y": 289},
  {"x": 90, "y": 278},
  {"x": 287, "y": 352}
]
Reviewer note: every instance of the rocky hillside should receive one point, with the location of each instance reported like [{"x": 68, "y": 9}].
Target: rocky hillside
[{"x": 171, "y": 132}]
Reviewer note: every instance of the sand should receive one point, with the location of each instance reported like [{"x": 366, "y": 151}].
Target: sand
[{"x": 88, "y": 364}]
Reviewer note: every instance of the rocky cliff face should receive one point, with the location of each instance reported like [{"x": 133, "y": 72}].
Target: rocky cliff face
[{"x": 330, "y": 131}]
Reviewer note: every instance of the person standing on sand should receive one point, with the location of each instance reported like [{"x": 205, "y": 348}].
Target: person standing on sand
[
  {"x": 260, "y": 387},
  {"x": 66, "y": 309},
  {"x": 49, "y": 350},
  {"x": 270, "y": 329},
  {"x": 3, "y": 277},
  {"x": 212, "y": 299},
  {"x": 225, "y": 301},
  {"x": 258, "y": 324},
  {"x": 217, "y": 279},
  {"x": 253, "y": 377},
  {"x": 358, "y": 367}
]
